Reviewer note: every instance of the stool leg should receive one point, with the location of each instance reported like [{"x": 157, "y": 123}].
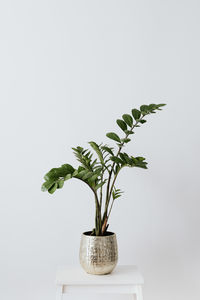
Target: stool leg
[
  {"x": 139, "y": 295},
  {"x": 59, "y": 292}
]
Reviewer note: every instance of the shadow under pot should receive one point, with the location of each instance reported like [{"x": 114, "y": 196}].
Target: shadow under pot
[{"x": 98, "y": 254}]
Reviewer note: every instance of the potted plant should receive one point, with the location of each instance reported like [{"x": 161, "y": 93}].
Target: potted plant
[{"x": 98, "y": 250}]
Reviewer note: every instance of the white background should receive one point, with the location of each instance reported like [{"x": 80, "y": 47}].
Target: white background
[{"x": 68, "y": 70}]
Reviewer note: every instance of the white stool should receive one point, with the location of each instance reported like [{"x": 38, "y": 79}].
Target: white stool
[{"x": 123, "y": 280}]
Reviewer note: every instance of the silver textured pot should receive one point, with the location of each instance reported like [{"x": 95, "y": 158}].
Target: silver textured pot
[{"x": 98, "y": 254}]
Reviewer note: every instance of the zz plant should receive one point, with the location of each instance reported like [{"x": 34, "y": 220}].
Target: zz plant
[{"x": 102, "y": 172}]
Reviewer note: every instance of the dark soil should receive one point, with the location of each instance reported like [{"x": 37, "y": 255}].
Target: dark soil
[{"x": 107, "y": 233}]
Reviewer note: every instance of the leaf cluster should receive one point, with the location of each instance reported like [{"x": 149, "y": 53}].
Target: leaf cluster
[
  {"x": 116, "y": 193},
  {"x": 107, "y": 161},
  {"x": 55, "y": 178},
  {"x": 124, "y": 160},
  {"x": 130, "y": 121},
  {"x": 89, "y": 171}
]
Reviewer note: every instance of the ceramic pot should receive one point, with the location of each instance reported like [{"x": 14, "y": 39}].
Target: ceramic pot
[{"x": 98, "y": 254}]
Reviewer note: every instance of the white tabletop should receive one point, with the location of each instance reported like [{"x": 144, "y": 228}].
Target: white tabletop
[{"x": 122, "y": 275}]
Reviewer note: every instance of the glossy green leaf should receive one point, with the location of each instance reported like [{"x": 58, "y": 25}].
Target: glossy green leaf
[
  {"x": 152, "y": 107},
  {"x": 140, "y": 158},
  {"x": 142, "y": 121},
  {"x": 99, "y": 185},
  {"x": 126, "y": 158},
  {"x": 47, "y": 185},
  {"x": 97, "y": 150},
  {"x": 138, "y": 163},
  {"x": 82, "y": 173},
  {"x": 67, "y": 168},
  {"x": 60, "y": 184},
  {"x": 53, "y": 188},
  {"x": 128, "y": 119},
  {"x": 87, "y": 175},
  {"x": 107, "y": 149},
  {"x": 136, "y": 114},
  {"x": 161, "y": 105},
  {"x": 113, "y": 136},
  {"x": 116, "y": 193},
  {"x": 116, "y": 159},
  {"x": 144, "y": 109},
  {"x": 125, "y": 140},
  {"x": 75, "y": 173},
  {"x": 68, "y": 176},
  {"x": 93, "y": 177},
  {"x": 84, "y": 156},
  {"x": 81, "y": 168},
  {"x": 56, "y": 173},
  {"x": 51, "y": 175},
  {"x": 129, "y": 131},
  {"x": 122, "y": 124}
]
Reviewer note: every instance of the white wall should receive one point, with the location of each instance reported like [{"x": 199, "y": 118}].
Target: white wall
[{"x": 68, "y": 70}]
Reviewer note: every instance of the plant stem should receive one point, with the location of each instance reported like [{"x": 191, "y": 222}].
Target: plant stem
[
  {"x": 101, "y": 189},
  {"x": 98, "y": 216},
  {"x": 98, "y": 211},
  {"x": 110, "y": 209},
  {"x": 87, "y": 184},
  {"x": 109, "y": 190},
  {"x": 113, "y": 183}
]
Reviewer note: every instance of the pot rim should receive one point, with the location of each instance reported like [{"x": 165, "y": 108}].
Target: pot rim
[{"x": 87, "y": 234}]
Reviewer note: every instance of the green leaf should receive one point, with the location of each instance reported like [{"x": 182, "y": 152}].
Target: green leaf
[
  {"x": 122, "y": 156},
  {"x": 126, "y": 158},
  {"x": 56, "y": 173},
  {"x": 129, "y": 132},
  {"x": 84, "y": 157},
  {"x": 116, "y": 159},
  {"x": 140, "y": 158},
  {"x": 160, "y": 105},
  {"x": 60, "y": 183},
  {"x": 98, "y": 169},
  {"x": 93, "y": 178},
  {"x": 53, "y": 188},
  {"x": 131, "y": 161},
  {"x": 51, "y": 175},
  {"x": 78, "y": 149},
  {"x": 75, "y": 173},
  {"x": 125, "y": 140},
  {"x": 99, "y": 185},
  {"x": 87, "y": 175},
  {"x": 68, "y": 176},
  {"x": 67, "y": 168},
  {"x": 82, "y": 173},
  {"x": 138, "y": 163},
  {"x": 128, "y": 119},
  {"x": 142, "y": 121},
  {"x": 116, "y": 193},
  {"x": 144, "y": 109},
  {"x": 107, "y": 149},
  {"x": 113, "y": 136},
  {"x": 97, "y": 150},
  {"x": 121, "y": 124},
  {"x": 93, "y": 164},
  {"x": 81, "y": 168},
  {"x": 152, "y": 107},
  {"x": 136, "y": 114},
  {"x": 47, "y": 185}
]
